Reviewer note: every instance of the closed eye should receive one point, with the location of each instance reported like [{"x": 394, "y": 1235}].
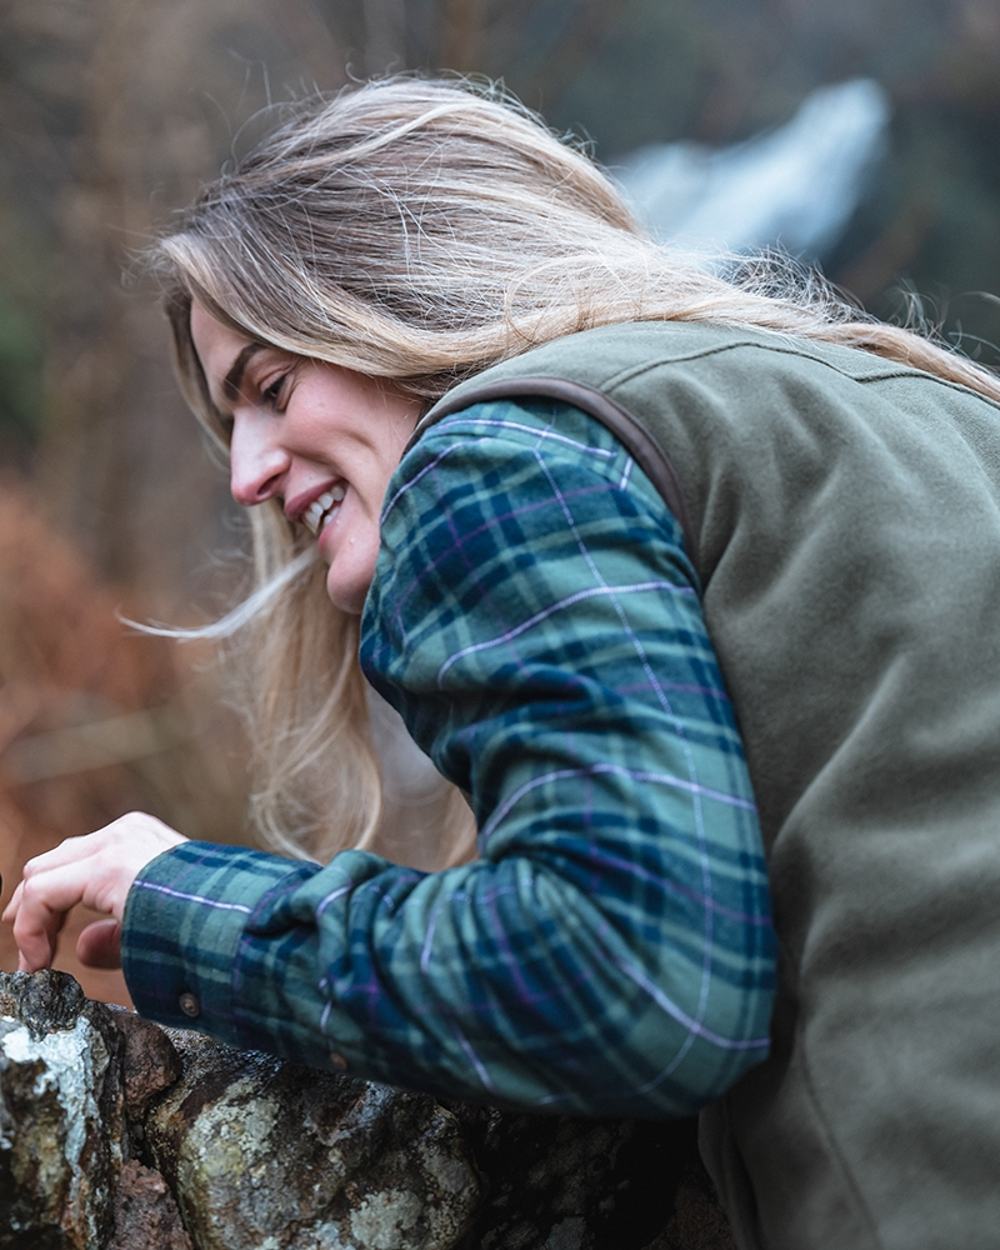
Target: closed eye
[{"x": 271, "y": 395}]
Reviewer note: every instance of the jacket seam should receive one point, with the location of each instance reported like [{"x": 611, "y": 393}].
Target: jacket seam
[
  {"x": 831, "y": 1141},
  {"x": 882, "y": 375}
]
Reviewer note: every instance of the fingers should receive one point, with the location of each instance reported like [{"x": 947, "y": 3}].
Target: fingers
[
  {"x": 41, "y": 912},
  {"x": 97, "y": 870},
  {"x": 12, "y": 904},
  {"x": 77, "y": 871},
  {"x": 66, "y": 852},
  {"x": 99, "y": 945}
]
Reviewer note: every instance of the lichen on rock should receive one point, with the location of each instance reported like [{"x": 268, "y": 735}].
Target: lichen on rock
[
  {"x": 116, "y": 1134},
  {"x": 263, "y": 1153},
  {"x": 62, "y": 1120}
]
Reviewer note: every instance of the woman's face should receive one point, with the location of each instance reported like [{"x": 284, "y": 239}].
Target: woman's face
[{"x": 322, "y": 440}]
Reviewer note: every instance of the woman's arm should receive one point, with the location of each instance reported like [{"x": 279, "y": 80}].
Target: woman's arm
[{"x": 537, "y": 624}]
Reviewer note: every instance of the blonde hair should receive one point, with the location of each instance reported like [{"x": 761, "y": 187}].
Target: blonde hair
[{"x": 420, "y": 230}]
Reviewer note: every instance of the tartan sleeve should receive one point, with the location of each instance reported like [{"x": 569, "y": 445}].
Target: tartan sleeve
[{"x": 536, "y": 622}]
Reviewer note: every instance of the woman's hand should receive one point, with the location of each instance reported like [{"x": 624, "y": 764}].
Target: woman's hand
[{"x": 96, "y": 870}]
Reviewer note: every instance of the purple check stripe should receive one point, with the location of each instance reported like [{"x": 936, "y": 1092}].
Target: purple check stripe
[{"x": 593, "y": 592}]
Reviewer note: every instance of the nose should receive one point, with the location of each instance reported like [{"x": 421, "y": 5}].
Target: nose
[{"x": 257, "y": 465}]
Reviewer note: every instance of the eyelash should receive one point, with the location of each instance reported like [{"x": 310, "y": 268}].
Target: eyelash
[{"x": 272, "y": 394}]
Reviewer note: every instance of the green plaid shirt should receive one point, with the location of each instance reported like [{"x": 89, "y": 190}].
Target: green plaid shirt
[{"x": 535, "y": 620}]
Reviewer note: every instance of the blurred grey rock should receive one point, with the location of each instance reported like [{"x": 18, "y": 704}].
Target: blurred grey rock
[{"x": 795, "y": 186}]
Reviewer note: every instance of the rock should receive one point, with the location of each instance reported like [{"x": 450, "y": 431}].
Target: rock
[
  {"x": 116, "y": 1134},
  {"x": 61, "y": 1115},
  {"x": 697, "y": 1222},
  {"x": 46, "y": 1002},
  {"x": 264, "y": 1154},
  {"x": 563, "y": 1183},
  {"x": 151, "y": 1063},
  {"x": 146, "y": 1216}
]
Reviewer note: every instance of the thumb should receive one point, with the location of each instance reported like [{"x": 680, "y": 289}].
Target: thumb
[{"x": 99, "y": 945}]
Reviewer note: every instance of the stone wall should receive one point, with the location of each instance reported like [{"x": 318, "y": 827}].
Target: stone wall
[{"x": 116, "y": 1134}]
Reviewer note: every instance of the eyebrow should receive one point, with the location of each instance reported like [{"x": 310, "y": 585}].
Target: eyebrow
[{"x": 234, "y": 378}]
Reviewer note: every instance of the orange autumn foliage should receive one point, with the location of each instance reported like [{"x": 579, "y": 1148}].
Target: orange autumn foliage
[{"x": 95, "y": 720}]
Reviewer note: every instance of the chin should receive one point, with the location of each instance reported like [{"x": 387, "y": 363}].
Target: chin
[{"x": 346, "y": 594}]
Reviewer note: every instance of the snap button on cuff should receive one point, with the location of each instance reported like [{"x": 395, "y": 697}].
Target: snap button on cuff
[
  {"x": 189, "y": 1004},
  {"x": 338, "y": 1061}
]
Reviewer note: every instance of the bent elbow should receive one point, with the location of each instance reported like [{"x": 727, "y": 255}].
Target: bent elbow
[{"x": 691, "y": 1048}]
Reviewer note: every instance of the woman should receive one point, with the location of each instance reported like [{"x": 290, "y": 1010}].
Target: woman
[{"x": 650, "y": 517}]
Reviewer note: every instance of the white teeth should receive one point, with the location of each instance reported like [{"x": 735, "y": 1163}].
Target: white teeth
[{"x": 313, "y": 516}]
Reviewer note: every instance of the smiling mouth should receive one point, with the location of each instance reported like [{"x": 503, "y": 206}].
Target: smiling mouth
[{"x": 320, "y": 511}]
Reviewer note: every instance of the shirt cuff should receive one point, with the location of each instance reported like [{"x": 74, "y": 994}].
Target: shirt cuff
[{"x": 185, "y": 916}]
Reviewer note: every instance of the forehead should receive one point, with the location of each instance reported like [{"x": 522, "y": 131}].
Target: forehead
[
  {"x": 219, "y": 349},
  {"x": 216, "y": 344}
]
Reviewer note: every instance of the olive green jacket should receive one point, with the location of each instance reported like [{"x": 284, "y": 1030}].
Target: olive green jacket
[{"x": 843, "y": 515}]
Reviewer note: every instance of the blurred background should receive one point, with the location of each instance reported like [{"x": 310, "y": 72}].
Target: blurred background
[{"x": 861, "y": 134}]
